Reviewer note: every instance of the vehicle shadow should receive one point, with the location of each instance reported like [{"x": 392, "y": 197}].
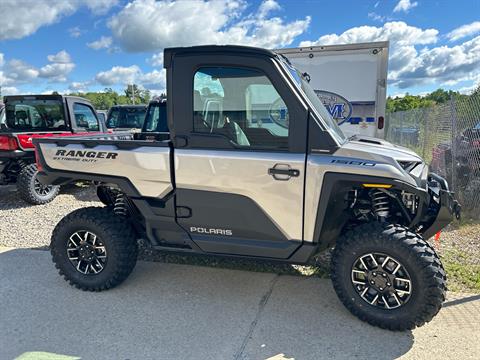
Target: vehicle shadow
[
  {"x": 171, "y": 311},
  {"x": 461, "y": 300}
]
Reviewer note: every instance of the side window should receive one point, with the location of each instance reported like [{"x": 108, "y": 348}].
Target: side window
[
  {"x": 242, "y": 105},
  {"x": 85, "y": 117},
  {"x": 112, "y": 121}
]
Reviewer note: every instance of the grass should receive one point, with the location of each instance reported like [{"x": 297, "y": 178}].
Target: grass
[{"x": 462, "y": 275}]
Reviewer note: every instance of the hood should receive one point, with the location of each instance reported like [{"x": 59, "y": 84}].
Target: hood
[{"x": 377, "y": 149}]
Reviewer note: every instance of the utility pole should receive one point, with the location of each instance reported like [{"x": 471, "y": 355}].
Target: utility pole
[{"x": 133, "y": 94}]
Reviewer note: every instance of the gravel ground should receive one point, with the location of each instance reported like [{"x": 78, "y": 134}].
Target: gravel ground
[
  {"x": 23, "y": 225},
  {"x": 27, "y": 226}
]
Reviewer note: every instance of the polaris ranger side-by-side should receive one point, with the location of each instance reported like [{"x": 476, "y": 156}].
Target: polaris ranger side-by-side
[
  {"x": 256, "y": 167},
  {"x": 26, "y": 117}
]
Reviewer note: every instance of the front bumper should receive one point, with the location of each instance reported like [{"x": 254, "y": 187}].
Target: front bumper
[{"x": 444, "y": 206}]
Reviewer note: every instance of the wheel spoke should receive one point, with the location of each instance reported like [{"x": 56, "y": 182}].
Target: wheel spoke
[
  {"x": 397, "y": 300},
  {"x": 385, "y": 302},
  {"x": 374, "y": 260},
  {"x": 396, "y": 269},
  {"x": 385, "y": 262},
  {"x": 363, "y": 263},
  {"x": 99, "y": 264}
]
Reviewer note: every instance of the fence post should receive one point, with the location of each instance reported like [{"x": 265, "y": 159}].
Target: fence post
[{"x": 453, "y": 115}]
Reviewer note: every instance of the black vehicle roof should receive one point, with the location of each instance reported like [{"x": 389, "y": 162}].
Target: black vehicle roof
[
  {"x": 158, "y": 100},
  {"x": 129, "y": 106},
  {"x": 169, "y": 53},
  {"x": 42, "y": 97}
]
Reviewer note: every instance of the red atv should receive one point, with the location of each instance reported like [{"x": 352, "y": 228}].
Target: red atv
[{"x": 25, "y": 117}]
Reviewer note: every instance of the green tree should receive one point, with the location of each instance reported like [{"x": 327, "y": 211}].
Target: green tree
[{"x": 137, "y": 95}]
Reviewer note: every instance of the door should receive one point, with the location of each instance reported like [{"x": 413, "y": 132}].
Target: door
[
  {"x": 84, "y": 116},
  {"x": 240, "y": 178}
]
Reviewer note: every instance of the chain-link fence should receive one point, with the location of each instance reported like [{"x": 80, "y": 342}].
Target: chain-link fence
[{"x": 447, "y": 136}]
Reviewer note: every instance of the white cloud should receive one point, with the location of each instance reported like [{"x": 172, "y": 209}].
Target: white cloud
[
  {"x": 79, "y": 86},
  {"x": 124, "y": 75},
  {"x": 405, "y": 6},
  {"x": 149, "y": 25},
  {"x": 56, "y": 71},
  {"x": 396, "y": 31},
  {"x": 103, "y": 43},
  {"x": 60, "y": 66},
  {"x": 155, "y": 79},
  {"x": 9, "y": 90},
  {"x": 100, "y": 7},
  {"x": 75, "y": 31},
  {"x": 61, "y": 57},
  {"x": 118, "y": 75},
  {"x": 23, "y": 18},
  {"x": 267, "y": 7},
  {"x": 464, "y": 31},
  {"x": 157, "y": 59},
  {"x": 443, "y": 65},
  {"x": 376, "y": 17},
  {"x": 2, "y": 61},
  {"x": 17, "y": 72},
  {"x": 414, "y": 60}
]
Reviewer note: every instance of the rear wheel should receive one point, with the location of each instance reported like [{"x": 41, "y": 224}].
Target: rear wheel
[
  {"x": 32, "y": 190},
  {"x": 94, "y": 249},
  {"x": 388, "y": 276}
]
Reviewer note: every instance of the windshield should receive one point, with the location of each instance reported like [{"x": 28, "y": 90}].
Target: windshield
[
  {"x": 302, "y": 82},
  {"x": 35, "y": 114},
  {"x": 156, "y": 119},
  {"x": 126, "y": 117}
]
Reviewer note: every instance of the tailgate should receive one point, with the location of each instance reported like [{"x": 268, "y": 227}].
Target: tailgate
[{"x": 140, "y": 168}]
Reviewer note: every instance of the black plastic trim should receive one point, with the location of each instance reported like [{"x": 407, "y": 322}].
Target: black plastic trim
[{"x": 330, "y": 217}]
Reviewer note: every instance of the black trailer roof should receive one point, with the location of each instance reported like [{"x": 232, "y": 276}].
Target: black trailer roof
[{"x": 169, "y": 53}]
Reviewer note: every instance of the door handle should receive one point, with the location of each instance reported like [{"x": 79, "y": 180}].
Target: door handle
[
  {"x": 289, "y": 172},
  {"x": 283, "y": 172}
]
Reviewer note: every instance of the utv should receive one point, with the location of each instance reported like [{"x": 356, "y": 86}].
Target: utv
[
  {"x": 29, "y": 117},
  {"x": 254, "y": 166},
  {"x": 126, "y": 117}
]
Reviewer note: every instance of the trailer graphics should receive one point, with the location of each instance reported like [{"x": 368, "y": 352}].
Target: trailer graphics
[{"x": 339, "y": 107}]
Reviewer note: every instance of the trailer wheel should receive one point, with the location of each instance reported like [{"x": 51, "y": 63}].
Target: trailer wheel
[
  {"x": 32, "y": 190},
  {"x": 94, "y": 249},
  {"x": 388, "y": 276}
]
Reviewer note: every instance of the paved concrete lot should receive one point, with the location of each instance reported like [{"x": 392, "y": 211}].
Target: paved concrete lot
[{"x": 168, "y": 311}]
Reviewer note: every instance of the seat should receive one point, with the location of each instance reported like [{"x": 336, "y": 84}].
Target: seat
[{"x": 21, "y": 117}]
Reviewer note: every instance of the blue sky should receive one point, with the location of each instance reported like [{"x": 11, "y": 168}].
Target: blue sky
[{"x": 68, "y": 45}]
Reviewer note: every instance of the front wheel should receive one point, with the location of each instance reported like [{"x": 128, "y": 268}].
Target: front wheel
[
  {"x": 32, "y": 190},
  {"x": 94, "y": 249},
  {"x": 388, "y": 276}
]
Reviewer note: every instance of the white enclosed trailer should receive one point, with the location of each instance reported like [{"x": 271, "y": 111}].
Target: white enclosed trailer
[{"x": 351, "y": 82}]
